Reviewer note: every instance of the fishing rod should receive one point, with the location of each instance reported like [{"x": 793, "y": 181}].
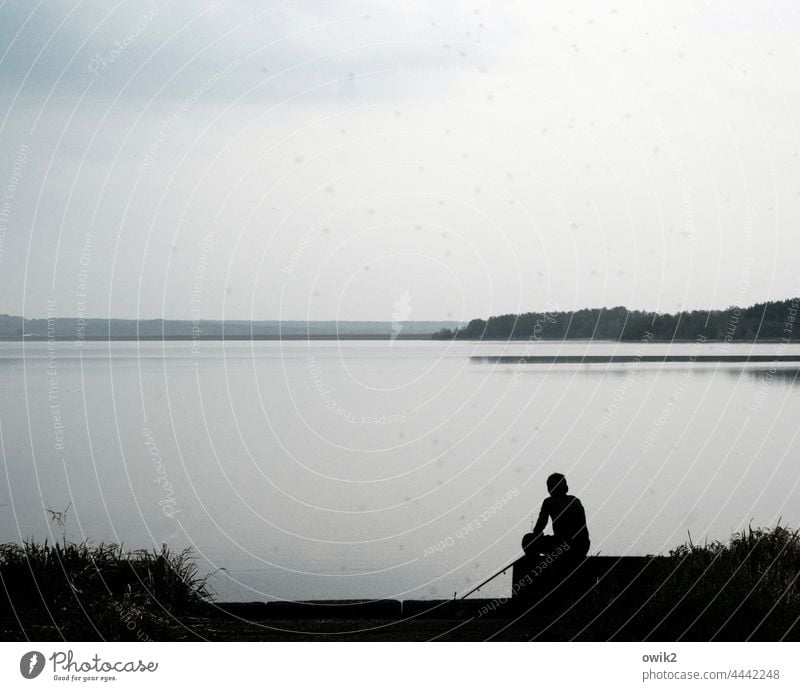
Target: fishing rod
[{"x": 491, "y": 578}]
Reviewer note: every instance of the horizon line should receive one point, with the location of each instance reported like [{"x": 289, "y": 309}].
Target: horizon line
[{"x": 389, "y": 321}]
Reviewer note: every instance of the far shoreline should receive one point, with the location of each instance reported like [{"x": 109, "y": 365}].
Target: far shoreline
[{"x": 371, "y": 337}]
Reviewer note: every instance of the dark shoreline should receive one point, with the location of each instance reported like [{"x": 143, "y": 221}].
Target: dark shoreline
[
  {"x": 368, "y": 337},
  {"x": 190, "y": 339},
  {"x": 620, "y": 359},
  {"x": 742, "y": 589}
]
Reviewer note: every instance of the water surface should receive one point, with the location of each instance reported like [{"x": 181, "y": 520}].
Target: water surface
[{"x": 386, "y": 469}]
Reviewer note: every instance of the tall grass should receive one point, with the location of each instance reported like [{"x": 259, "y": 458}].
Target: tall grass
[
  {"x": 745, "y": 589},
  {"x": 98, "y": 591}
]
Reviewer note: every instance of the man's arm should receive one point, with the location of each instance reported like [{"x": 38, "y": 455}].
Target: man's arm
[
  {"x": 582, "y": 517},
  {"x": 541, "y": 522}
]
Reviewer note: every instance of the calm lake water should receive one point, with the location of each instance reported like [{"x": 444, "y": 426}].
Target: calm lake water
[{"x": 380, "y": 469}]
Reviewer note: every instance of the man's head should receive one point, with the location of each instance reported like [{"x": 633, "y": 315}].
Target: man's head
[{"x": 557, "y": 485}]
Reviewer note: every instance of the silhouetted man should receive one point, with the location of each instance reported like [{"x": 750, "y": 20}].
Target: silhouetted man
[{"x": 569, "y": 522}]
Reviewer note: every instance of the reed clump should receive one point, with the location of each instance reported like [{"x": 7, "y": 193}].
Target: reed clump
[
  {"x": 103, "y": 591},
  {"x": 747, "y": 588}
]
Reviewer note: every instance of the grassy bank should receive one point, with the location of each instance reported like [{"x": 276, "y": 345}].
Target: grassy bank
[
  {"x": 723, "y": 590},
  {"x": 80, "y": 591},
  {"x": 745, "y": 588}
]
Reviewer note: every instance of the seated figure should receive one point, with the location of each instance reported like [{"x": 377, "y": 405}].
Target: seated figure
[{"x": 569, "y": 523}]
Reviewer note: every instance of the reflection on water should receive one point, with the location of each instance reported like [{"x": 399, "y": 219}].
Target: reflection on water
[
  {"x": 370, "y": 469},
  {"x": 783, "y": 375}
]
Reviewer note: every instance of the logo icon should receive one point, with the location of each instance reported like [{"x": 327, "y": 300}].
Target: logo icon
[
  {"x": 402, "y": 311},
  {"x": 31, "y": 664}
]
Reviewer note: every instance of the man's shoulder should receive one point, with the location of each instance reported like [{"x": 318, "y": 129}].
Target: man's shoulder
[
  {"x": 567, "y": 501},
  {"x": 561, "y": 502},
  {"x": 574, "y": 502}
]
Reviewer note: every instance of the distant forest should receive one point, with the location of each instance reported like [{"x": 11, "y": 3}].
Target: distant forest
[
  {"x": 68, "y": 328},
  {"x": 766, "y": 321}
]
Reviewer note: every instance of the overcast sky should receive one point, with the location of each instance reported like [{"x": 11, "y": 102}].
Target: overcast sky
[{"x": 363, "y": 160}]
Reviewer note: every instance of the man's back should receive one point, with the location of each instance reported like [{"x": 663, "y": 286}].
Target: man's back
[{"x": 569, "y": 520}]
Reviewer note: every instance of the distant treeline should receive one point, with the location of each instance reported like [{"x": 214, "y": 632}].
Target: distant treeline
[
  {"x": 763, "y": 321},
  {"x": 93, "y": 328}
]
